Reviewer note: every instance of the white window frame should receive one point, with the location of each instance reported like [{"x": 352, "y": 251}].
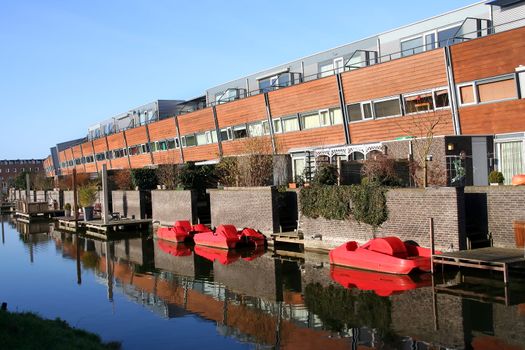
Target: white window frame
[
  {"x": 327, "y": 110},
  {"x": 434, "y": 98},
  {"x": 473, "y": 87},
  {"x": 278, "y": 120},
  {"x": 297, "y": 118},
  {"x": 208, "y": 137},
  {"x": 372, "y": 112},
  {"x": 387, "y": 99},
  {"x": 183, "y": 141},
  {"x": 340, "y": 69},
  {"x": 293, "y": 166},
  {"x": 240, "y": 127},
  {"x": 229, "y": 133}
]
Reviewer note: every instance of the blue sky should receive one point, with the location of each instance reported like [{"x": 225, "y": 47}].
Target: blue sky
[{"x": 67, "y": 64}]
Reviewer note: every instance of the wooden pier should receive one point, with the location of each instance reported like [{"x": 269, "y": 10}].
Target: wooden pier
[
  {"x": 494, "y": 259},
  {"x": 288, "y": 237}
]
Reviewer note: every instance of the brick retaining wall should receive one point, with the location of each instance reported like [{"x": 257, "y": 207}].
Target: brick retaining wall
[
  {"x": 254, "y": 207},
  {"x": 408, "y": 213},
  {"x": 132, "y": 203},
  {"x": 503, "y": 204},
  {"x": 170, "y": 206}
]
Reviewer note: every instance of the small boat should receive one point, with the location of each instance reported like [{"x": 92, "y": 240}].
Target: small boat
[
  {"x": 383, "y": 284},
  {"x": 387, "y": 254},
  {"x": 224, "y": 257},
  {"x": 175, "y": 249},
  {"x": 228, "y": 237},
  {"x": 181, "y": 231},
  {"x": 518, "y": 180}
]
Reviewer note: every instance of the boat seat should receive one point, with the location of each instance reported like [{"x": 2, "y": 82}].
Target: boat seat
[
  {"x": 388, "y": 245},
  {"x": 228, "y": 231},
  {"x": 351, "y": 246},
  {"x": 184, "y": 224}
]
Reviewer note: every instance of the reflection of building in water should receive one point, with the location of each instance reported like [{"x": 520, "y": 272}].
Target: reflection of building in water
[{"x": 301, "y": 307}]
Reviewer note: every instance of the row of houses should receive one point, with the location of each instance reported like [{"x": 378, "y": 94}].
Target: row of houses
[{"x": 460, "y": 75}]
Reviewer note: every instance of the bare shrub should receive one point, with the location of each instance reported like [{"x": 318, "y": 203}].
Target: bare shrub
[{"x": 381, "y": 169}]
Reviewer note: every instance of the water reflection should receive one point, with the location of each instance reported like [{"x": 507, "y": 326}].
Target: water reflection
[{"x": 265, "y": 300}]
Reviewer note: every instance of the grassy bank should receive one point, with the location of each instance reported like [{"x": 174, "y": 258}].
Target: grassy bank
[{"x": 29, "y": 331}]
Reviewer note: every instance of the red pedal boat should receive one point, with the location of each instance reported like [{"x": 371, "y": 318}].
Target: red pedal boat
[
  {"x": 227, "y": 237},
  {"x": 181, "y": 231},
  {"x": 388, "y": 254},
  {"x": 382, "y": 284}
]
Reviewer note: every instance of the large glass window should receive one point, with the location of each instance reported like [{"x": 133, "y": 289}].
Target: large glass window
[
  {"x": 336, "y": 116},
  {"x": 441, "y": 98},
  {"x": 387, "y": 108},
  {"x": 162, "y": 146},
  {"x": 497, "y": 90},
  {"x": 354, "y": 112},
  {"x": 256, "y": 129},
  {"x": 171, "y": 144},
  {"x": 226, "y": 134},
  {"x": 277, "y": 127},
  {"x": 239, "y": 132},
  {"x": 191, "y": 140},
  {"x": 326, "y": 69},
  {"x": 310, "y": 120},
  {"x": 201, "y": 139},
  {"x": 419, "y": 103},
  {"x": 446, "y": 36},
  {"x": 412, "y": 46},
  {"x": 290, "y": 124}
]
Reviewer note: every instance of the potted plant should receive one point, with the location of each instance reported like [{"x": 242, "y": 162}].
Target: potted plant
[
  {"x": 67, "y": 209},
  {"x": 496, "y": 178},
  {"x": 87, "y": 195}
]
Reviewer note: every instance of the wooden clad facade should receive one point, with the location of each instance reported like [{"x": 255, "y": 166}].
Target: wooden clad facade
[
  {"x": 136, "y": 136},
  {"x": 319, "y": 137},
  {"x": 162, "y": 130},
  {"x": 198, "y": 153},
  {"x": 493, "y": 118},
  {"x": 489, "y": 56},
  {"x": 312, "y": 95},
  {"x": 241, "y": 111},
  {"x": 198, "y": 121}
]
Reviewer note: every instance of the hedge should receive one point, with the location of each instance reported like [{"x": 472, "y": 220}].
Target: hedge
[{"x": 366, "y": 203}]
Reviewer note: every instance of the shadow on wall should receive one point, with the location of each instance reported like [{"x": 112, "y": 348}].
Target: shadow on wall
[{"x": 125, "y": 204}]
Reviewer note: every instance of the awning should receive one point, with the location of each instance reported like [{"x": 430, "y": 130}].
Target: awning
[
  {"x": 503, "y": 3},
  {"x": 208, "y": 162}
]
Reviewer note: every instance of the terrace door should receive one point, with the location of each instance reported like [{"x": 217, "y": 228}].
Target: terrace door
[
  {"x": 480, "y": 161},
  {"x": 511, "y": 159}
]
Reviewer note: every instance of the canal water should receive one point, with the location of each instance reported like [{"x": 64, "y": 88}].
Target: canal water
[{"x": 152, "y": 294}]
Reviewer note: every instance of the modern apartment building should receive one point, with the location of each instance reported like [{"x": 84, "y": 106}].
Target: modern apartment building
[
  {"x": 461, "y": 72},
  {"x": 9, "y": 169}
]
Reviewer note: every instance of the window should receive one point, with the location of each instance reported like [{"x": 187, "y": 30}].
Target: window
[
  {"x": 326, "y": 69},
  {"x": 227, "y": 96},
  {"x": 170, "y": 143},
  {"x": 133, "y": 150},
  {"x": 201, "y": 139},
  {"x": 239, "y": 132},
  {"x": 290, "y": 124},
  {"x": 446, "y": 36},
  {"x": 324, "y": 117},
  {"x": 430, "y": 41},
  {"x": 367, "y": 110},
  {"x": 309, "y": 120},
  {"x": 275, "y": 82},
  {"x": 466, "y": 94},
  {"x": 336, "y": 116},
  {"x": 412, "y": 46},
  {"x": 496, "y": 90},
  {"x": 521, "y": 77},
  {"x": 387, "y": 108},
  {"x": 258, "y": 129},
  {"x": 419, "y": 103},
  {"x": 354, "y": 112},
  {"x": 191, "y": 140},
  {"x": 153, "y": 146},
  {"x": 226, "y": 134},
  {"x": 162, "y": 145},
  {"x": 211, "y": 136},
  {"x": 441, "y": 98},
  {"x": 277, "y": 126}
]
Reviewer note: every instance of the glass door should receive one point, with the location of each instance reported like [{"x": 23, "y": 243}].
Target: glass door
[{"x": 511, "y": 159}]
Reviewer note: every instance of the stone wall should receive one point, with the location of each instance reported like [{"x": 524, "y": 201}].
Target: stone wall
[
  {"x": 409, "y": 211},
  {"x": 170, "y": 206},
  {"x": 131, "y": 204},
  {"x": 254, "y": 207},
  {"x": 499, "y": 206}
]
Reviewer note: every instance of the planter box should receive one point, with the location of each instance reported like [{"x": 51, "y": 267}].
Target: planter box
[{"x": 170, "y": 206}]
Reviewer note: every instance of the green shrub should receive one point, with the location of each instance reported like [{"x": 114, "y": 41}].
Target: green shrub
[
  {"x": 144, "y": 179},
  {"x": 496, "y": 177},
  {"x": 366, "y": 203},
  {"x": 326, "y": 174},
  {"x": 87, "y": 195}
]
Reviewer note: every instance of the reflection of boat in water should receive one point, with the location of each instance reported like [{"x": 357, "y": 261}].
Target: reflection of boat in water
[
  {"x": 175, "y": 249},
  {"x": 223, "y": 256},
  {"x": 383, "y": 284},
  {"x": 387, "y": 254},
  {"x": 252, "y": 254}
]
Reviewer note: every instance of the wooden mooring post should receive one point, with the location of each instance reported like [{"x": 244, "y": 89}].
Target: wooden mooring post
[
  {"x": 432, "y": 245},
  {"x": 75, "y": 207}
]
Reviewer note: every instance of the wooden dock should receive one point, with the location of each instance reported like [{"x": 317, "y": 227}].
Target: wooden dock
[
  {"x": 288, "y": 237},
  {"x": 494, "y": 259},
  {"x": 117, "y": 225},
  {"x": 69, "y": 224}
]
